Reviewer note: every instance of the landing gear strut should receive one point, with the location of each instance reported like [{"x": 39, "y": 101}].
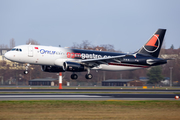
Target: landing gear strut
[
  {"x": 26, "y": 71},
  {"x": 88, "y": 76}
]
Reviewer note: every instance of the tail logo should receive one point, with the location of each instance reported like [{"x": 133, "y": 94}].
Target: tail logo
[{"x": 153, "y": 44}]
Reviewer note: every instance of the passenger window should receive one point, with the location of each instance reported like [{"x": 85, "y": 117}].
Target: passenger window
[{"x": 20, "y": 50}]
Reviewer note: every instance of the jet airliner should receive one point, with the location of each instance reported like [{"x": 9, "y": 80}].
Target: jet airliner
[{"x": 57, "y": 59}]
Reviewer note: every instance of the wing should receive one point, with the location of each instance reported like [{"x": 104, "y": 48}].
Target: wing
[{"x": 96, "y": 62}]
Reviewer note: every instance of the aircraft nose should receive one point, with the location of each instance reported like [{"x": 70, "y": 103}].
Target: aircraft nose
[{"x": 7, "y": 55}]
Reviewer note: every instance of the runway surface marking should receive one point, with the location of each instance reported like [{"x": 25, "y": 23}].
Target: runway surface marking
[{"x": 48, "y": 96}]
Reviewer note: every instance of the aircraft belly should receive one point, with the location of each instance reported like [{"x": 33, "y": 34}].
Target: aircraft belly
[
  {"x": 45, "y": 60},
  {"x": 117, "y": 68}
]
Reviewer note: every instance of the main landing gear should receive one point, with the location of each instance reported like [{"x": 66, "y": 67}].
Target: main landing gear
[
  {"x": 26, "y": 71},
  {"x": 87, "y": 76},
  {"x": 74, "y": 76}
]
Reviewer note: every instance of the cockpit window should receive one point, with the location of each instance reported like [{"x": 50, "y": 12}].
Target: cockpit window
[{"x": 16, "y": 49}]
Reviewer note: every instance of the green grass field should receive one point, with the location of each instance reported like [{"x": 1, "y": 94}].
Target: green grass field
[{"x": 104, "y": 110}]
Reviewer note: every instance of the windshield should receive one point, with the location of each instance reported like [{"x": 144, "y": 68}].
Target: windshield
[{"x": 16, "y": 49}]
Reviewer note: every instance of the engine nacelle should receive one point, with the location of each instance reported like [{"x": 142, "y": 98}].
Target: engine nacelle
[
  {"x": 73, "y": 67},
  {"x": 52, "y": 69}
]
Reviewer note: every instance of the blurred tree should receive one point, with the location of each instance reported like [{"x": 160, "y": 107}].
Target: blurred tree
[
  {"x": 3, "y": 46},
  {"x": 75, "y": 46},
  {"x": 172, "y": 46},
  {"x": 155, "y": 75},
  {"x": 32, "y": 42},
  {"x": 85, "y": 44},
  {"x": 12, "y": 43},
  {"x": 163, "y": 48},
  {"x": 108, "y": 47}
]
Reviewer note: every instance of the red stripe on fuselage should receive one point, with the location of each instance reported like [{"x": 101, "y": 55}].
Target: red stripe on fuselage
[
  {"x": 127, "y": 65},
  {"x": 36, "y": 47}
]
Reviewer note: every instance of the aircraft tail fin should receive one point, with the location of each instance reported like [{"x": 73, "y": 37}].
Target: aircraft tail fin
[{"x": 153, "y": 46}]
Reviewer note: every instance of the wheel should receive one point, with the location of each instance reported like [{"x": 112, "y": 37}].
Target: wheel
[
  {"x": 88, "y": 76},
  {"x": 25, "y": 72},
  {"x": 74, "y": 76}
]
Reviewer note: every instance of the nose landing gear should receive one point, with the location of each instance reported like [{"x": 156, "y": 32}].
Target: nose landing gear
[{"x": 26, "y": 71}]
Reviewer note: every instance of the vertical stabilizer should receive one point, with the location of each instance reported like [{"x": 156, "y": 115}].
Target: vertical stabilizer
[{"x": 153, "y": 46}]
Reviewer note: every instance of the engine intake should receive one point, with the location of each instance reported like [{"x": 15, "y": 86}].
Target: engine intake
[{"x": 74, "y": 67}]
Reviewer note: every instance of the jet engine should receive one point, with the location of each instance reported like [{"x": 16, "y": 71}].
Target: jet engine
[
  {"x": 74, "y": 67},
  {"x": 51, "y": 68}
]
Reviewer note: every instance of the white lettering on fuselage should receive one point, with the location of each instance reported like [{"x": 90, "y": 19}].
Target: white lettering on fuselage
[
  {"x": 86, "y": 55},
  {"x": 93, "y": 56}
]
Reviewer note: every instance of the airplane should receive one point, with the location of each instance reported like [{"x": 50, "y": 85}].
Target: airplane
[{"x": 58, "y": 59}]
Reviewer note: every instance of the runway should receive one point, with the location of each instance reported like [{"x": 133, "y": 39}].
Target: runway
[
  {"x": 87, "y": 96},
  {"x": 59, "y": 95},
  {"x": 87, "y": 90}
]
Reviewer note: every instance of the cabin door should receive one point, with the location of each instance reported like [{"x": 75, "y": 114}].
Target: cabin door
[{"x": 30, "y": 51}]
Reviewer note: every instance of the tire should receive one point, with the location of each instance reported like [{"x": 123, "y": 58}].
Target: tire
[
  {"x": 89, "y": 76},
  {"x": 26, "y": 72},
  {"x": 74, "y": 76}
]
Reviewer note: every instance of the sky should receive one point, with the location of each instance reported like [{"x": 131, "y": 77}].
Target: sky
[{"x": 126, "y": 24}]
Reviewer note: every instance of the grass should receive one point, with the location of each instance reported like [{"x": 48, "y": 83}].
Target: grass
[{"x": 103, "y": 110}]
